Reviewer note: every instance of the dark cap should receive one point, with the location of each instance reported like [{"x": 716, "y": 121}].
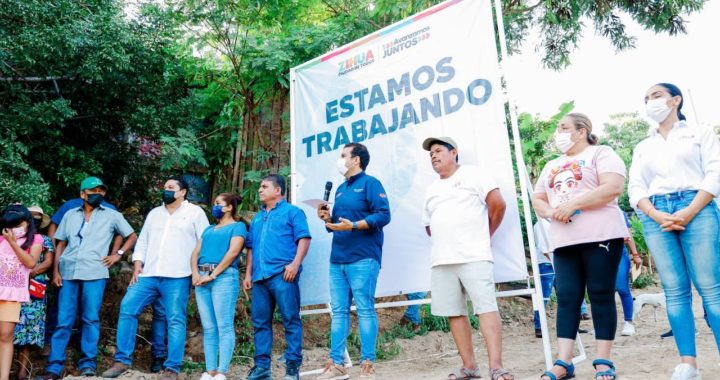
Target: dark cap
[{"x": 443, "y": 139}]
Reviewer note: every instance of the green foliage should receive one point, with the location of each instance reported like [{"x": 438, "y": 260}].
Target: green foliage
[
  {"x": 181, "y": 151},
  {"x": 624, "y": 133},
  {"x": 638, "y": 236},
  {"x": 643, "y": 281},
  {"x": 80, "y": 81},
  {"x": 561, "y": 23},
  {"x": 536, "y": 138}
]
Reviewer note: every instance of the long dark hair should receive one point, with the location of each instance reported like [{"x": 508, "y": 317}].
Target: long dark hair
[
  {"x": 13, "y": 216},
  {"x": 675, "y": 91}
]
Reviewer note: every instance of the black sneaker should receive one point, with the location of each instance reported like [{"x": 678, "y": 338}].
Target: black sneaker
[
  {"x": 157, "y": 365},
  {"x": 538, "y": 333},
  {"x": 666, "y": 335},
  {"x": 292, "y": 371},
  {"x": 259, "y": 373}
]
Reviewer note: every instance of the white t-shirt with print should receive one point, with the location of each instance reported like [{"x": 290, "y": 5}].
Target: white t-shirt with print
[{"x": 456, "y": 212}]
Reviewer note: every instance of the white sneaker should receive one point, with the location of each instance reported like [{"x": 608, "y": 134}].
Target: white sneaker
[
  {"x": 219, "y": 376},
  {"x": 206, "y": 376},
  {"x": 628, "y": 329},
  {"x": 685, "y": 371}
]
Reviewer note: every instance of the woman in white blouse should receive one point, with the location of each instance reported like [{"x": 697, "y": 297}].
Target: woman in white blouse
[{"x": 674, "y": 176}]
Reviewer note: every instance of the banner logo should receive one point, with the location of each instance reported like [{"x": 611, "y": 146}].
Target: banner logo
[
  {"x": 356, "y": 62},
  {"x": 405, "y": 42}
]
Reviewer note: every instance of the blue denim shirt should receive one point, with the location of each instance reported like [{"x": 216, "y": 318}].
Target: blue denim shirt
[
  {"x": 88, "y": 242},
  {"x": 273, "y": 238},
  {"x": 360, "y": 197}
]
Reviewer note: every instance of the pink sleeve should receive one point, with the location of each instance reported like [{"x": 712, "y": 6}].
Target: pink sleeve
[
  {"x": 540, "y": 184},
  {"x": 607, "y": 161},
  {"x": 38, "y": 240}
]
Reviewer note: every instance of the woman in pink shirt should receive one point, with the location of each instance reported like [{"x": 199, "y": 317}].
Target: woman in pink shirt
[
  {"x": 20, "y": 248},
  {"x": 578, "y": 192}
]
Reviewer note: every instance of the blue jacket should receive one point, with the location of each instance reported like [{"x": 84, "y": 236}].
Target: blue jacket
[{"x": 360, "y": 197}]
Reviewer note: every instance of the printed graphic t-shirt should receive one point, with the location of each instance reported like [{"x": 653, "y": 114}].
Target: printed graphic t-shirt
[{"x": 568, "y": 177}]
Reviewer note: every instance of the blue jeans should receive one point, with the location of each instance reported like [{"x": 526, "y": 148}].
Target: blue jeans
[
  {"x": 91, "y": 297},
  {"x": 412, "y": 313},
  {"x": 347, "y": 282},
  {"x": 216, "y": 302},
  {"x": 547, "y": 278},
  {"x": 159, "y": 328},
  {"x": 622, "y": 286},
  {"x": 173, "y": 294},
  {"x": 286, "y": 295},
  {"x": 685, "y": 256}
]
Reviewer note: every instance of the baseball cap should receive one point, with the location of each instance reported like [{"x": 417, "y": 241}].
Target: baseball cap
[
  {"x": 91, "y": 183},
  {"x": 431, "y": 140}
]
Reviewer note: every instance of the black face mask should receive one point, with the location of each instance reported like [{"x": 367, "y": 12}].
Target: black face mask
[
  {"x": 95, "y": 200},
  {"x": 168, "y": 196},
  {"x": 37, "y": 223}
]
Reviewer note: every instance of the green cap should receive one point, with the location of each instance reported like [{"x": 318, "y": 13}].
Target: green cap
[{"x": 91, "y": 183}]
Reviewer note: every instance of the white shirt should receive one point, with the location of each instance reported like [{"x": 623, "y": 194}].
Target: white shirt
[
  {"x": 167, "y": 240},
  {"x": 457, "y": 214},
  {"x": 541, "y": 230},
  {"x": 688, "y": 160}
]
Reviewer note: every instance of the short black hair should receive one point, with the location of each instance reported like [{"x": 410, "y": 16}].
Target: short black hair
[
  {"x": 181, "y": 183},
  {"x": 277, "y": 181},
  {"x": 359, "y": 150},
  {"x": 448, "y": 146}
]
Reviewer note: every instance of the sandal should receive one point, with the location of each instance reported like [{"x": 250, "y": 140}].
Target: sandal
[
  {"x": 569, "y": 370},
  {"x": 465, "y": 373},
  {"x": 499, "y": 374},
  {"x": 608, "y": 372}
]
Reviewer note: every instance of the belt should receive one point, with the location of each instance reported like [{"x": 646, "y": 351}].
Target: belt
[
  {"x": 674, "y": 195},
  {"x": 207, "y": 267}
]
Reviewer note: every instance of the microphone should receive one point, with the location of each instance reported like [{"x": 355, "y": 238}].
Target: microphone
[{"x": 326, "y": 197}]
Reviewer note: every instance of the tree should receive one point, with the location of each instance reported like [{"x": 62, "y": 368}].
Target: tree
[
  {"x": 536, "y": 139},
  {"x": 624, "y": 132},
  {"x": 79, "y": 83}
]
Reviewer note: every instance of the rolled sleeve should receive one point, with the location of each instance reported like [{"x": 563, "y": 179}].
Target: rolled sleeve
[
  {"x": 201, "y": 223},
  {"x": 239, "y": 230},
  {"x": 141, "y": 246},
  {"x": 299, "y": 225},
  {"x": 379, "y": 205},
  {"x": 710, "y": 157},
  {"x": 637, "y": 188}
]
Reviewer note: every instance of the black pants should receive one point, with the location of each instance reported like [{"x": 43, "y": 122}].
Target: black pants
[{"x": 593, "y": 266}]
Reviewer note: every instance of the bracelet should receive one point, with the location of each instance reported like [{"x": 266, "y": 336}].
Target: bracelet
[
  {"x": 354, "y": 226},
  {"x": 212, "y": 276}
]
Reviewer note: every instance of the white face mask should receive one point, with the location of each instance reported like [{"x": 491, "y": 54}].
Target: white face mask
[
  {"x": 657, "y": 109},
  {"x": 563, "y": 141},
  {"x": 341, "y": 167}
]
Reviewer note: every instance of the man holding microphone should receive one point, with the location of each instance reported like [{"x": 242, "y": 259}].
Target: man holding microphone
[{"x": 360, "y": 212}]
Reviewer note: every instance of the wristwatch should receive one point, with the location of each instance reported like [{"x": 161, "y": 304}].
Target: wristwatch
[
  {"x": 354, "y": 227},
  {"x": 120, "y": 252}
]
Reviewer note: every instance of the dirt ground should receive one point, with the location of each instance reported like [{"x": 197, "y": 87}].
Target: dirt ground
[{"x": 433, "y": 355}]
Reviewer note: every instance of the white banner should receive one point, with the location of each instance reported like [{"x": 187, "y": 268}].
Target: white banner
[{"x": 433, "y": 74}]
